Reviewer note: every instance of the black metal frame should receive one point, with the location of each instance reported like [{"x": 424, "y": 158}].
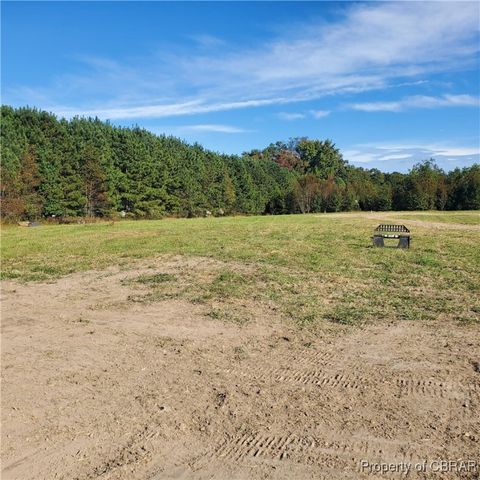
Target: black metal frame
[{"x": 384, "y": 231}]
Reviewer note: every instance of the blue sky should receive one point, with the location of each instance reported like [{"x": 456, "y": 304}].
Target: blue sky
[{"x": 390, "y": 83}]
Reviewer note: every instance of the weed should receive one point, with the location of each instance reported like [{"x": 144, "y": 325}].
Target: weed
[
  {"x": 346, "y": 315},
  {"x": 155, "y": 279},
  {"x": 427, "y": 261},
  {"x": 227, "y": 283},
  {"x": 226, "y": 315}
]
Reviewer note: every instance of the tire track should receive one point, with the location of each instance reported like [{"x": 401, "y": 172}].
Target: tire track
[
  {"x": 327, "y": 375},
  {"x": 421, "y": 387},
  {"x": 326, "y": 378},
  {"x": 318, "y": 378},
  {"x": 309, "y": 449}
]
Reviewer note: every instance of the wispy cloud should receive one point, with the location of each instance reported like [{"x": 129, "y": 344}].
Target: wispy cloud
[
  {"x": 395, "y": 156},
  {"x": 290, "y": 116},
  {"x": 368, "y": 46},
  {"x": 166, "y": 110},
  {"x": 418, "y": 101},
  {"x": 210, "y": 128},
  {"x": 206, "y": 40},
  {"x": 434, "y": 149},
  {"x": 320, "y": 113},
  {"x": 405, "y": 154}
]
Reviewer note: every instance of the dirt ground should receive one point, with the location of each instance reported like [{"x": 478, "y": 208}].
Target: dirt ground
[{"x": 96, "y": 386}]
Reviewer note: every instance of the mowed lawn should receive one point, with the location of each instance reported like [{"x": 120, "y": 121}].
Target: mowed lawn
[{"x": 312, "y": 268}]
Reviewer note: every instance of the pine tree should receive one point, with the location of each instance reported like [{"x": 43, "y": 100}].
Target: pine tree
[{"x": 95, "y": 185}]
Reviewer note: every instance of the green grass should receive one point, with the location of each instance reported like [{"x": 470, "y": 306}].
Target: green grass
[
  {"x": 155, "y": 279},
  {"x": 462, "y": 217},
  {"x": 228, "y": 283},
  {"x": 226, "y": 315},
  {"x": 309, "y": 267}
]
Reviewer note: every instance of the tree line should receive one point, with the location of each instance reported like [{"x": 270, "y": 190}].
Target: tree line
[{"x": 88, "y": 168}]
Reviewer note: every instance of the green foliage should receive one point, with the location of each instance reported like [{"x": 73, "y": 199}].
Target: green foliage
[
  {"x": 88, "y": 168},
  {"x": 464, "y": 189}
]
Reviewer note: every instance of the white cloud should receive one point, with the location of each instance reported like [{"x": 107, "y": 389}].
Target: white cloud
[
  {"x": 206, "y": 40},
  {"x": 210, "y": 128},
  {"x": 368, "y": 46},
  {"x": 433, "y": 148},
  {"x": 290, "y": 116},
  {"x": 418, "y": 101},
  {"x": 377, "y": 106},
  {"x": 401, "y": 156},
  {"x": 320, "y": 113},
  {"x": 165, "y": 110},
  {"x": 455, "y": 151},
  {"x": 193, "y": 130},
  {"x": 298, "y": 116},
  {"x": 372, "y": 44},
  {"x": 396, "y": 156},
  {"x": 358, "y": 156}
]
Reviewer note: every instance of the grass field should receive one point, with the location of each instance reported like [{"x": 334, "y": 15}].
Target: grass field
[
  {"x": 462, "y": 217},
  {"x": 311, "y": 267},
  {"x": 247, "y": 347}
]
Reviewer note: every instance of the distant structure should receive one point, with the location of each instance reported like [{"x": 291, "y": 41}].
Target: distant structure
[{"x": 384, "y": 231}]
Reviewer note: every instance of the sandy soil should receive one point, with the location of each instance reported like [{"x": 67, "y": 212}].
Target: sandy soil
[{"x": 95, "y": 386}]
